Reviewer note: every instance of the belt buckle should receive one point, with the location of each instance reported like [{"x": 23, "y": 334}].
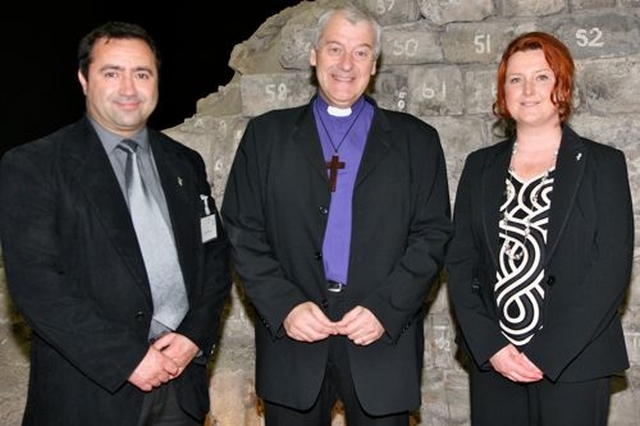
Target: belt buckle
[{"x": 335, "y": 286}]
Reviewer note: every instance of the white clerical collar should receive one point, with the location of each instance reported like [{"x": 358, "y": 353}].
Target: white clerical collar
[{"x": 338, "y": 112}]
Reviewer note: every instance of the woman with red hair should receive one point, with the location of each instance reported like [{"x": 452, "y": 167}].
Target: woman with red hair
[{"x": 540, "y": 260}]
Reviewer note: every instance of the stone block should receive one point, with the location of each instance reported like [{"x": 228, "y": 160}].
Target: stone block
[
  {"x": 476, "y": 42},
  {"x": 226, "y": 101},
  {"x": 435, "y": 90},
  {"x": 216, "y": 139},
  {"x": 392, "y": 12},
  {"x": 610, "y": 87},
  {"x": 414, "y": 44},
  {"x": 297, "y": 42},
  {"x": 479, "y": 90},
  {"x": 590, "y": 4},
  {"x": 532, "y": 8},
  {"x": 593, "y": 36},
  {"x": 442, "y": 12},
  {"x": 265, "y": 92},
  {"x": 459, "y": 136},
  {"x": 391, "y": 89},
  {"x": 440, "y": 342}
]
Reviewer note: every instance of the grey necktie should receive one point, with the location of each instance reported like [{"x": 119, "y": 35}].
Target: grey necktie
[{"x": 170, "y": 302}]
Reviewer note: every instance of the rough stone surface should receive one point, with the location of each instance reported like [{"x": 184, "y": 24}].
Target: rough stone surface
[{"x": 439, "y": 63}]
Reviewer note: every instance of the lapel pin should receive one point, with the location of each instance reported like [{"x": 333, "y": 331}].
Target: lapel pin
[
  {"x": 179, "y": 181},
  {"x": 578, "y": 156}
]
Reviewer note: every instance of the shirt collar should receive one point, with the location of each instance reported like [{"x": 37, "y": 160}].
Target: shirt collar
[{"x": 111, "y": 140}]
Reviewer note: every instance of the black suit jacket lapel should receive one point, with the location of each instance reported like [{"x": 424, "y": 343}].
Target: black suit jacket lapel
[
  {"x": 306, "y": 138},
  {"x": 94, "y": 174},
  {"x": 377, "y": 145},
  {"x": 570, "y": 166},
  {"x": 175, "y": 173},
  {"x": 492, "y": 193}
]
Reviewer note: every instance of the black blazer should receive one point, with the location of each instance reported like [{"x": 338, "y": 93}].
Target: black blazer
[
  {"x": 588, "y": 259},
  {"x": 76, "y": 274},
  {"x": 275, "y": 210}
]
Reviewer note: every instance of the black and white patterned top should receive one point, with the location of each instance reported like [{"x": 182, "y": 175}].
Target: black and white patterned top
[{"x": 518, "y": 291}]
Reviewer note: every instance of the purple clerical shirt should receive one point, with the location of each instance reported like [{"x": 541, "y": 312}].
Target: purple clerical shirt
[{"x": 346, "y": 137}]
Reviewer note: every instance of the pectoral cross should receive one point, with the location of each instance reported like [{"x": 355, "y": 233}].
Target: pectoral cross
[{"x": 333, "y": 167}]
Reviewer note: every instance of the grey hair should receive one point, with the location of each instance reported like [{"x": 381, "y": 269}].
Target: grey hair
[{"x": 354, "y": 15}]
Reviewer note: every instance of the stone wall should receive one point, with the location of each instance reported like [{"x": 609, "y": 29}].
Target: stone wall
[{"x": 439, "y": 61}]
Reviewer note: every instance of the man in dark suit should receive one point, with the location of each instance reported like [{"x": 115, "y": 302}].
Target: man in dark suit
[
  {"x": 338, "y": 212},
  {"x": 106, "y": 349}
]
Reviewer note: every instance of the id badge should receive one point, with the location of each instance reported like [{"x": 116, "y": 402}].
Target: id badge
[{"x": 208, "y": 227}]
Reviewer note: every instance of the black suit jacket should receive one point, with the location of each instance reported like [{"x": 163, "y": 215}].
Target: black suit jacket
[
  {"x": 76, "y": 274},
  {"x": 275, "y": 210},
  {"x": 588, "y": 259}
]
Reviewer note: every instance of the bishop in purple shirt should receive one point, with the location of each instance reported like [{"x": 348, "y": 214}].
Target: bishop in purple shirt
[{"x": 338, "y": 213}]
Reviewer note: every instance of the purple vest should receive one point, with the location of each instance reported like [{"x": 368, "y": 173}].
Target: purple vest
[{"x": 345, "y": 137}]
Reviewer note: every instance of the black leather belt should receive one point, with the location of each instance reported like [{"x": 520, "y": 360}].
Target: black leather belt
[{"x": 335, "y": 286}]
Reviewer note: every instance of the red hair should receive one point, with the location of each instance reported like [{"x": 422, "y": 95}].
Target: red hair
[{"x": 559, "y": 58}]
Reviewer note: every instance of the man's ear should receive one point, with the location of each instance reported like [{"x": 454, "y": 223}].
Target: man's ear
[
  {"x": 83, "y": 82},
  {"x": 312, "y": 58}
]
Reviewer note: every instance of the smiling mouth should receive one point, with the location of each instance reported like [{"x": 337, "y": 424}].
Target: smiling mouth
[{"x": 342, "y": 78}]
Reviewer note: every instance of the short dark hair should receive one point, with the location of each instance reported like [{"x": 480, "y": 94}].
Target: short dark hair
[{"x": 112, "y": 30}]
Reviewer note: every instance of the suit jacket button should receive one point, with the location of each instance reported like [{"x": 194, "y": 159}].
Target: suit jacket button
[
  {"x": 140, "y": 315},
  {"x": 475, "y": 285},
  {"x": 318, "y": 256},
  {"x": 323, "y": 210},
  {"x": 551, "y": 280},
  {"x": 324, "y": 304}
]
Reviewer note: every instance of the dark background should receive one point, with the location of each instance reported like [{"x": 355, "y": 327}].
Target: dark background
[{"x": 40, "y": 91}]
